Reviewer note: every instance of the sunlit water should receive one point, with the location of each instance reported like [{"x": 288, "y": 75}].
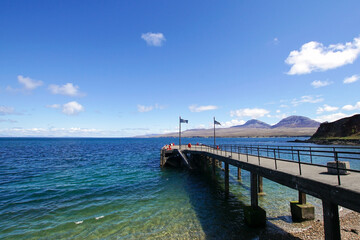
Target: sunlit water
[{"x": 115, "y": 189}]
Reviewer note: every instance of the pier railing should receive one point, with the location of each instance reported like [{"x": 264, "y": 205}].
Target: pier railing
[{"x": 302, "y": 155}]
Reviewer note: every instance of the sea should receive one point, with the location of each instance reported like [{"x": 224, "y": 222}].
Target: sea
[{"x": 106, "y": 188}]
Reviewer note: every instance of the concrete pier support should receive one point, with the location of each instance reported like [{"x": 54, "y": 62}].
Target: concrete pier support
[
  {"x": 300, "y": 210},
  {"x": 260, "y": 186},
  {"x": 226, "y": 177},
  {"x": 331, "y": 220},
  {"x": 255, "y": 216},
  {"x": 239, "y": 174}
]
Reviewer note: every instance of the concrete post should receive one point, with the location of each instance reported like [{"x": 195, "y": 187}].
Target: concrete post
[
  {"x": 239, "y": 174},
  {"x": 300, "y": 210},
  {"x": 226, "y": 177},
  {"x": 331, "y": 220}
]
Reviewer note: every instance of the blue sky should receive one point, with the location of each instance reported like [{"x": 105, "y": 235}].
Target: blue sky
[{"x": 126, "y": 68}]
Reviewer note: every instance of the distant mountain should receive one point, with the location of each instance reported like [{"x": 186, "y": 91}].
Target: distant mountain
[
  {"x": 253, "y": 123},
  {"x": 296, "y": 122},
  {"x": 194, "y": 129},
  {"x": 345, "y": 128},
  {"x": 147, "y": 135},
  {"x": 294, "y": 126}
]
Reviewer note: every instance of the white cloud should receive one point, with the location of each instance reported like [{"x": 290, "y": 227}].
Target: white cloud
[
  {"x": 72, "y": 108},
  {"x": 280, "y": 115},
  {"x": 276, "y": 41},
  {"x": 284, "y": 106},
  {"x": 351, "y": 107},
  {"x": 351, "y": 79},
  {"x": 53, "y": 106},
  {"x": 71, "y": 132},
  {"x": 49, "y": 132},
  {"x": 326, "y": 108},
  {"x": 314, "y": 56},
  {"x": 306, "y": 99},
  {"x": 4, "y": 110},
  {"x": 195, "y": 108},
  {"x": 233, "y": 122},
  {"x": 319, "y": 83},
  {"x": 331, "y": 117},
  {"x": 28, "y": 83},
  {"x": 249, "y": 112},
  {"x": 142, "y": 108},
  {"x": 8, "y": 120},
  {"x": 66, "y": 89},
  {"x": 153, "y": 39}
]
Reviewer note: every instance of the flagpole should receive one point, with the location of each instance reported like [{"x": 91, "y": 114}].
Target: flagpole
[
  {"x": 180, "y": 132},
  {"x": 214, "y": 133}
]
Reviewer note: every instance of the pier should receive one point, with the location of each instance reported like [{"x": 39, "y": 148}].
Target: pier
[{"x": 322, "y": 172}]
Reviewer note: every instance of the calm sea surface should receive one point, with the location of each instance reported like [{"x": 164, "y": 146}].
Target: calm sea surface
[{"x": 114, "y": 189}]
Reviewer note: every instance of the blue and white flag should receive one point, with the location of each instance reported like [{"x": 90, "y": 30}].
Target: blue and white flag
[
  {"x": 216, "y": 122},
  {"x": 183, "y": 121}
]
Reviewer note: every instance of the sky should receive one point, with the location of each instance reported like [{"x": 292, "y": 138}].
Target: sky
[{"x": 129, "y": 68}]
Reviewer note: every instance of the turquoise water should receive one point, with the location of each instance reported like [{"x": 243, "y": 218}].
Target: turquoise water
[{"x": 114, "y": 189}]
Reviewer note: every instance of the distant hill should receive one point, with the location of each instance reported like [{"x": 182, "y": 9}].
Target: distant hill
[
  {"x": 294, "y": 126},
  {"x": 343, "y": 129},
  {"x": 253, "y": 123},
  {"x": 297, "y": 122}
]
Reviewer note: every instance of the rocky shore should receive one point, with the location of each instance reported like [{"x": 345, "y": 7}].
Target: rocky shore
[
  {"x": 352, "y": 142},
  {"x": 283, "y": 229}
]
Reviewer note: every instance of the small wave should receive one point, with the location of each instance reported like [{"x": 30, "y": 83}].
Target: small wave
[
  {"x": 99, "y": 217},
  {"x": 79, "y": 222}
]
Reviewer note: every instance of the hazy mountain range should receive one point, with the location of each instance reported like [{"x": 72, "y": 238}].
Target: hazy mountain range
[{"x": 287, "y": 127}]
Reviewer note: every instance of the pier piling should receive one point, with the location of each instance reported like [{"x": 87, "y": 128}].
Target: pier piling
[
  {"x": 254, "y": 215},
  {"x": 331, "y": 220},
  {"x": 260, "y": 186},
  {"x": 226, "y": 177},
  {"x": 238, "y": 173}
]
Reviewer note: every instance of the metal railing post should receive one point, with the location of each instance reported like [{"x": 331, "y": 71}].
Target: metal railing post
[
  {"x": 298, "y": 151},
  {"x": 311, "y": 156},
  {"x": 278, "y": 151},
  {"x": 275, "y": 158},
  {"x": 247, "y": 154},
  {"x": 258, "y": 155},
  {"x": 337, "y": 167},
  {"x": 292, "y": 153}
]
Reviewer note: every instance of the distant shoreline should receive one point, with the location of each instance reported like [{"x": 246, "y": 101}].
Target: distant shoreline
[{"x": 352, "y": 142}]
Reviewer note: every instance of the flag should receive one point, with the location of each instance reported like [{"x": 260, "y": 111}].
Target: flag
[
  {"x": 183, "y": 121},
  {"x": 216, "y": 122}
]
